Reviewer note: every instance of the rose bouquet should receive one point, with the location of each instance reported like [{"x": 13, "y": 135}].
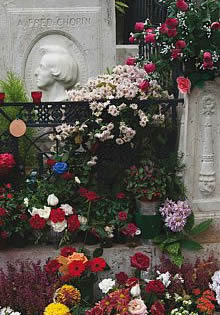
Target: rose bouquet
[{"x": 189, "y": 36}]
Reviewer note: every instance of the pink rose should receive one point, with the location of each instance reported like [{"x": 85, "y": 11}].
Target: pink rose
[
  {"x": 175, "y": 53},
  {"x": 150, "y": 30},
  {"x": 207, "y": 56},
  {"x": 208, "y": 65},
  {"x": 150, "y": 38},
  {"x": 180, "y": 44},
  {"x": 163, "y": 29},
  {"x": 172, "y": 22},
  {"x": 172, "y": 32},
  {"x": 131, "y": 39},
  {"x": 144, "y": 85},
  {"x": 149, "y": 67},
  {"x": 182, "y": 5},
  {"x": 215, "y": 26},
  {"x": 137, "y": 307},
  {"x": 183, "y": 84},
  {"x": 130, "y": 61},
  {"x": 139, "y": 27}
]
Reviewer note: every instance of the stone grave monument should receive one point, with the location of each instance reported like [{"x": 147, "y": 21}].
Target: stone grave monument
[{"x": 83, "y": 29}]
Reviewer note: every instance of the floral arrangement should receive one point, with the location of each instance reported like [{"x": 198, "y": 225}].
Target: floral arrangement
[
  {"x": 190, "y": 35},
  {"x": 7, "y": 162},
  {"x": 168, "y": 290},
  {"x": 8, "y": 311}
]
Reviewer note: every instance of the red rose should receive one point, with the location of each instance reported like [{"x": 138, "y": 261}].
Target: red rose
[
  {"x": 67, "y": 175},
  {"x": 4, "y": 235},
  {"x": 6, "y": 161},
  {"x": 175, "y": 53},
  {"x": 131, "y": 282},
  {"x": 144, "y": 86},
  {"x": 172, "y": 32},
  {"x": 83, "y": 191},
  {"x": 122, "y": 216},
  {"x": 182, "y": 5},
  {"x": 207, "y": 57},
  {"x": 172, "y": 22},
  {"x": 150, "y": 67},
  {"x": 207, "y": 65},
  {"x": 97, "y": 264},
  {"x": 9, "y": 196},
  {"x": 8, "y": 186},
  {"x": 150, "y": 38},
  {"x": 131, "y": 39},
  {"x": 121, "y": 277},
  {"x": 91, "y": 196},
  {"x": 180, "y": 44},
  {"x": 155, "y": 286},
  {"x": 67, "y": 251},
  {"x": 140, "y": 261},
  {"x": 36, "y": 222},
  {"x": 23, "y": 217},
  {"x": 2, "y": 212},
  {"x": 130, "y": 230},
  {"x": 183, "y": 84},
  {"x": 76, "y": 268},
  {"x": 157, "y": 308},
  {"x": 215, "y": 26},
  {"x": 163, "y": 29},
  {"x": 139, "y": 27},
  {"x": 73, "y": 223},
  {"x": 52, "y": 266},
  {"x": 120, "y": 195},
  {"x": 50, "y": 162},
  {"x": 130, "y": 61},
  {"x": 57, "y": 215}
]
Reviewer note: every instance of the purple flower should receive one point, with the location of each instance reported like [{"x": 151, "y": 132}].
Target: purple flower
[{"x": 175, "y": 214}]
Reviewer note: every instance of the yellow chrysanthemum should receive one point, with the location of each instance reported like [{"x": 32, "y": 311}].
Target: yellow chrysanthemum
[
  {"x": 57, "y": 309},
  {"x": 68, "y": 295}
]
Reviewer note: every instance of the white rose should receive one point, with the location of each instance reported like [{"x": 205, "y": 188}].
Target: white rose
[
  {"x": 45, "y": 212},
  {"x": 135, "y": 290},
  {"x": 59, "y": 226},
  {"x": 83, "y": 220},
  {"x": 26, "y": 202},
  {"x": 67, "y": 209},
  {"x": 106, "y": 285},
  {"x": 34, "y": 211},
  {"x": 52, "y": 200},
  {"x": 165, "y": 278},
  {"x": 77, "y": 180}
]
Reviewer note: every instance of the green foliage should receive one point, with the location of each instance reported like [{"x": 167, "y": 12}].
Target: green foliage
[
  {"x": 203, "y": 226},
  {"x": 121, "y": 6},
  {"x": 14, "y": 89}
]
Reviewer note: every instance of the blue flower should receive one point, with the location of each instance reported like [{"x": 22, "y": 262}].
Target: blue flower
[{"x": 60, "y": 167}]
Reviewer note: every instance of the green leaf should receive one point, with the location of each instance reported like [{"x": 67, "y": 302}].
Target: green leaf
[
  {"x": 159, "y": 239},
  {"x": 203, "y": 226},
  {"x": 121, "y": 4},
  {"x": 173, "y": 249},
  {"x": 190, "y": 223},
  {"x": 97, "y": 252},
  {"x": 107, "y": 267},
  {"x": 177, "y": 259},
  {"x": 191, "y": 245}
]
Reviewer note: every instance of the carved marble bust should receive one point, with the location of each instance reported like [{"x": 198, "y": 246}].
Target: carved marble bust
[{"x": 56, "y": 73}]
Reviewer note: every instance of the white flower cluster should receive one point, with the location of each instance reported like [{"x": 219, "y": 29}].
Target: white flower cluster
[
  {"x": 178, "y": 277},
  {"x": 64, "y": 131},
  {"x": 182, "y": 311},
  {"x": 164, "y": 277},
  {"x": 207, "y": 28},
  {"x": 215, "y": 285},
  {"x": 93, "y": 161},
  {"x": 143, "y": 118},
  {"x": 8, "y": 311},
  {"x": 106, "y": 285},
  {"x": 109, "y": 230}
]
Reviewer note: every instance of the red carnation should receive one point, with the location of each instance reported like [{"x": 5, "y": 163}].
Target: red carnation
[
  {"x": 4, "y": 235},
  {"x": 180, "y": 44},
  {"x": 97, "y": 264},
  {"x": 131, "y": 39},
  {"x": 150, "y": 67},
  {"x": 73, "y": 223},
  {"x": 215, "y": 26},
  {"x": 8, "y": 186},
  {"x": 2, "y": 212},
  {"x": 76, "y": 268},
  {"x": 130, "y": 61},
  {"x": 67, "y": 251},
  {"x": 172, "y": 22},
  {"x": 150, "y": 30},
  {"x": 208, "y": 65},
  {"x": 150, "y": 38},
  {"x": 122, "y": 216},
  {"x": 52, "y": 266},
  {"x": 140, "y": 261},
  {"x": 182, "y": 5},
  {"x": 131, "y": 282},
  {"x": 50, "y": 162},
  {"x": 157, "y": 308},
  {"x": 155, "y": 286},
  {"x": 175, "y": 53},
  {"x": 207, "y": 56},
  {"x": 121, "y": 277},
  {"x": 120, "y": 195},
  {"x": 130, "y": 229},
  {"x": 172, "y": 32},
  {"x": 163, "y": 29},
  {"x": 7, "y": 161},
  {"x": 91, "y": 196},
  {"x": 9, "y": 196},
  {"x": 57, "y": 215},
  {"x": 144, "y": 85},
  {"x": 36, "y": 222},
  {"x": 83, "y": 191},
  {"x": 67, "y": 175},
  {"x": 139, "y": 26}
]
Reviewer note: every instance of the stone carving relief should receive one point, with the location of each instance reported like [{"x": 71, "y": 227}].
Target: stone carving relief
[
  {"x": 56, "y": 72},
  {"x": 207, "y": 175}
]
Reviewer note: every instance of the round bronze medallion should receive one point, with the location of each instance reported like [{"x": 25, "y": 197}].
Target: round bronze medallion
[{"x": 17, "y": 128}]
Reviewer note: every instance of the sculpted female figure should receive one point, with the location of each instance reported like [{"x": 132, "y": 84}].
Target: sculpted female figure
[{"x": 56, "y": 73}]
